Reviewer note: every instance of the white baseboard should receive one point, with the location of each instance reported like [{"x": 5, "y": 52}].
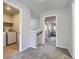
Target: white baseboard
[
  {"x": 61, "y": 46},
  {"x": 25, "y": 49},
  {"x": 71, "y": 53}
]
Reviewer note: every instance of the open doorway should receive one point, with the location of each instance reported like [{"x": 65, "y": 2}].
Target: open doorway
[
  {"x": 49, "y": 29},
  {"x": 11, "y": 29}
]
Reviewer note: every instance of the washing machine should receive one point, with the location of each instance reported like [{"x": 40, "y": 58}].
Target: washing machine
[
  {"x": 4, "y": 39},
  {"x": 11, "y": 38}
]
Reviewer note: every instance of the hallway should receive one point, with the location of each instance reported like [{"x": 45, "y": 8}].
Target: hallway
[{"x": 46, "y": 51}]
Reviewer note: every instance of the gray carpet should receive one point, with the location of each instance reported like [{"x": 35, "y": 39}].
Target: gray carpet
[{"x": 46, "y": 51}]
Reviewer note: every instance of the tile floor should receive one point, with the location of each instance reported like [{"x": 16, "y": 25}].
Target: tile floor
[{"x": 9, "y": 50}]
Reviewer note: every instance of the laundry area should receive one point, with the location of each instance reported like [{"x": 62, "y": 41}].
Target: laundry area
[{"x": 10, "y": 30}]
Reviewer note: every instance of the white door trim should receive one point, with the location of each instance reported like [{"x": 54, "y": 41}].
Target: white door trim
[
  {"x": 44, "y": 24},
  {"x": 20, "y": 22}
]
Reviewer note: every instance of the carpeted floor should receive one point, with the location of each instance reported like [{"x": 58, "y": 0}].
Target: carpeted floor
[{"x": 46, "y": 51}]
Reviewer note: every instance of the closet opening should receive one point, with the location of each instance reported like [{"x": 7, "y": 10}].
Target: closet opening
[{"x": 11, "y": 29}]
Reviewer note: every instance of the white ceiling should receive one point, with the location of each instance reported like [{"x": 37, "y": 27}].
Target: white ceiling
[
  {"x": 11, "y": 10},
  {"x": 40, "y": 6}
]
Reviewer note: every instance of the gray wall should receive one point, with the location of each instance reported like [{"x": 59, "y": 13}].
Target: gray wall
[
  {"x": 35, "y": 24},
  {"x": 24, "y": 25}
]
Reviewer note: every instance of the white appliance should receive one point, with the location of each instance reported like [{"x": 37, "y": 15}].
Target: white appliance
[
  {"x": 11, "y": 37},
  {"x": 4, "y": 39}
]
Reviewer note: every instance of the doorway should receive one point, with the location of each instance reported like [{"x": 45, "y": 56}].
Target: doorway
[
  {"x": 50, "y": 29},
  {"x": 11, "y": 29}
]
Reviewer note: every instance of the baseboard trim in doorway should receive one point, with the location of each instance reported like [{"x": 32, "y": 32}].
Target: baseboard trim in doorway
[
  {"x": 65, "y": 51},
  {"x": 25, "y": 49},
  {"x": 39, "y": 44}
]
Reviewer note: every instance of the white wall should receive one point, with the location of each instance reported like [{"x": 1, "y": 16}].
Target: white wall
[
  {"x": 33, "y": 39},
  {"x": 64, "y": 27},
  {"x": 71, "y": 31},
  {"x": 24, "y": 25},
  {"x": 15, "y": 19},
  {"x": 7, "y": 18},
  {"x": 15, "y": 27},
  {"x": 35, "y": 24}
]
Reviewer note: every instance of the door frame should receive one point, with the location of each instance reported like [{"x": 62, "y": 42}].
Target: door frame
[
  {"x": 20, "y": 24},
  {"x": 44, "y": 26}
]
